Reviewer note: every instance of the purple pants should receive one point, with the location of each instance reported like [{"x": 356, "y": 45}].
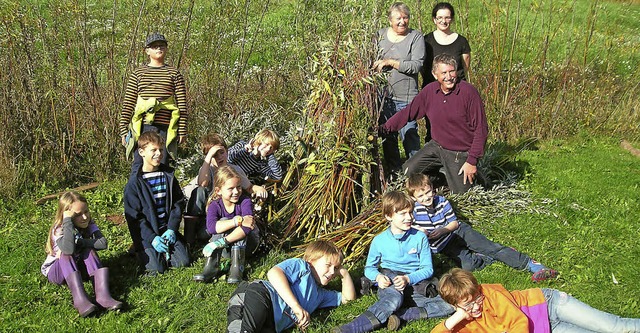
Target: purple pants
[{"x": 68, "y": 264}]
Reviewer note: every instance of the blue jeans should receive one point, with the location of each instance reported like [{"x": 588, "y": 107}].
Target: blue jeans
[
  {"x": 408, "y": 134},
  {"x": 391, "y": 300},
  {"x": 569, "y": 315},
  {"x": 466, "y": 242}
]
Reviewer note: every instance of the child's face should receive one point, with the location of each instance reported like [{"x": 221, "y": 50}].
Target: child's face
[
  {"x": 220, "y": 155},
  {"x": 400, "y": 220},
  {"x": 265, "y": 149},
  {"x": 230, "y": 190},
  {"x": 157, "y": 51},
  {"x": 472, "y": 305},
  {"x": 151, "y": 156},
  {"x": 424, "y": 196},
  {"x": 81, "y": 215},
  {"x": 324, "y": 269}
]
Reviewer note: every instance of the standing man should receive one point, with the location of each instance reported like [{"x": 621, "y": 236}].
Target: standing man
[{"x": 458, "y": 126}]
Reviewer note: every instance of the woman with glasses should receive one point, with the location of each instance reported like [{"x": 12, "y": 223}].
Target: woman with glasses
[
  {"x": 492, "y": 308},
  {"x": 443, "y": 40}
]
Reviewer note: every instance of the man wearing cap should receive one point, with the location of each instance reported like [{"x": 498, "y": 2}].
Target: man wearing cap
[
  {"x": 458, "y": 122},
  {"x": 155, "y": 99}
]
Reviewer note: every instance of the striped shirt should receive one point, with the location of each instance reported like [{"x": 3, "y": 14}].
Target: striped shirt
[
  {"x": 433, "y": 218},
  {"x": 161, "y": 83},
  {"x": 252, "y": 165},
  {"x": 158, "y": 183}
]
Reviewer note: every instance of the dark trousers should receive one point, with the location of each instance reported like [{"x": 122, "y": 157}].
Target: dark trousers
[
  {"x": 408, "y": 134},
  {"x": 466, "y": 242},
  {"x": 154, "y": 261},
  {"x": 250, "y": 310},
  {"x": 432, "y": 157}
]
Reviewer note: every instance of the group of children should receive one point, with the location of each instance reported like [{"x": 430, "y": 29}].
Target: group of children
[{"x": 219, "y": 209}]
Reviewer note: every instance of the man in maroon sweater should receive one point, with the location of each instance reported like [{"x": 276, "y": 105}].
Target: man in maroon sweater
[{"x": 458, "y": 126}]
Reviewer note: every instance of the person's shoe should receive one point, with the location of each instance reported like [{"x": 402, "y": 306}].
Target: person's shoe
[
  {"x": 544, "y": 274},
  {"x": 236, "y": 270},
  {"x": 211, "y": 268},
  {"x": 393, "y": 323},
  {"x": 80, "y": 299},
  {"x": 365, "y": 322},
  {"x": 101, "y": 287}
]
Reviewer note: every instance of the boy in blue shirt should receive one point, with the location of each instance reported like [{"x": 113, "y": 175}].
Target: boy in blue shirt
[
  {"x": 294, "y": 289},
  {"x": 434, "y": 216},
  {"x": 399, "y": 260}
]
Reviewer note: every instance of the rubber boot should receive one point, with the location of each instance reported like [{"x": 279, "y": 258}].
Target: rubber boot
[
  {"x": 365, "y": 322},
  {"x": 211, "y": 268},
  {"x": 80, "y": 300},
  {"x": 190, "y": 225},
  {"x": 101, "y": 286},
  {"x": 406, "y": 315},
  {"x": 237, "y": 264}
]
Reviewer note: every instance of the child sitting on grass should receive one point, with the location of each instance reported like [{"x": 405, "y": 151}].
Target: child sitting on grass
[
  {"x": 399, "y": 260},
  {"x": 214, "y": 148},
  {"x": 153, "y": 204},
  {"x": 492, "y": 308},
  {"x": 293, "y": 290},
  {"x": 257, "y": 157},
  {"x": 71, "y": 249},
  {"x": 457, "y": 240},
  {"x": 230, "y": 223}
]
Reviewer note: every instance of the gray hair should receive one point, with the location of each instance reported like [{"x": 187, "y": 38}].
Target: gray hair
[
  {"x": 400, "y": 7},
  {"x": 444, "y": 58}
]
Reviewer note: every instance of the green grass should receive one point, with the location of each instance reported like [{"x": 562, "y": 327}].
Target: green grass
[{"x": 589, "y": 186}]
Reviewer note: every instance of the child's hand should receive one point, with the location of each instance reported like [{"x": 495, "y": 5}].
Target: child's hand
[
  {"x": 303, "y": 317},
  {"x": 68, "y": 213},
  {"x": 437, "y": 233},
  {"x": 260, "y": 192},
  {"x": 400, "y": 282},
  {"x": 211, "y": 154},
  {"x": 265, "y": 150},
  {"x": 383, "y": 281},
  {"x": 343, "y": 272},
  {"x": 247, "y": 221}
]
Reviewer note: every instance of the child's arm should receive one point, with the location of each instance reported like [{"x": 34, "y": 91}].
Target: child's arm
[
  {"x": 128, "y": 106},
  {"x": 348, "y": 289},
  {"x": 272, "y": 170},
  {"x": 66, "y": 242},
  {"x": 439, "y": 232},
  {"x": 371, "y": 267},
  {"x": 237, "y": 152},
  {"x": 181, "y": 100},
  {"x": 97, "y": 241},
  {"x": 280, "y": 283},
  {"x": 177, "y": 206}
]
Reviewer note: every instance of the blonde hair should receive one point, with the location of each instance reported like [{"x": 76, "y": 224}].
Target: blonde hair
[
  {"x": 223, "y": 174},
  {"x": 323, "y": 248},
  {"x": 417, "y": 181},
  {"x": 210, "y": 140},
  {"x": 66, "y": 200},
  {"x": 395, "y": 201},
  {"x": 267, "y": 136},
  {"x": 400, "y": 7},
  {"x": 150, "y": 137},
  {"x": 458, "y": 285}
]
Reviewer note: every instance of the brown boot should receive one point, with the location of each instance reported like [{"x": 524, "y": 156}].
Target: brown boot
[
  {"x": 80, "y": 300},
  {"x": 101, "y": 286}
]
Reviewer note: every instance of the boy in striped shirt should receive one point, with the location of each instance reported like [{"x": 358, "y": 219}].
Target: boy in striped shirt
[
  {"x": 434, "y": 216},
  {"x": 256, "y": 158},
  {"x": 153, "y": 204},
  {"x": 155, "y": 99}
]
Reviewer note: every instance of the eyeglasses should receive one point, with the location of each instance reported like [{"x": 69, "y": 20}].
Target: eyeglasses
[
  {"x": 476, "y": 301},
  {"x": 444, "y": 18},
  {"x": 157, "y": 47}
]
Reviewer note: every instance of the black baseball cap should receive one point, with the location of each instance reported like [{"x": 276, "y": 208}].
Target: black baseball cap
[{"x": 154, "y": 37}]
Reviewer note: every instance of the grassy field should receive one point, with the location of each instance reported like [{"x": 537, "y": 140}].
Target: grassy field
[{"x": 586, "y": 188}]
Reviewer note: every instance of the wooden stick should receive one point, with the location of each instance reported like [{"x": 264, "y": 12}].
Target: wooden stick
[
  {"x": 626, "y": 145},
  {"x": 56, "y": 195}
]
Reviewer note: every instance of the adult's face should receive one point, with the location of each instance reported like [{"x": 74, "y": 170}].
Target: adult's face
[
  {"x": 399, "y": 22},
  {"x": 443, "y": 19},
  {"x": 446, "y": 75}
]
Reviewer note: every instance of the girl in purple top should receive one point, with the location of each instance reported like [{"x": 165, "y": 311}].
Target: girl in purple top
[
  {"x": 71, "y": 248},
  {"x": 230, "y": 221}
]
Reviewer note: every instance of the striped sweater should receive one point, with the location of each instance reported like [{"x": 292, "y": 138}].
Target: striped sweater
[{"x": 161, "y": 83}]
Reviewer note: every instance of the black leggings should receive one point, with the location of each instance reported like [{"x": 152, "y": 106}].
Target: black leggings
[{"x": 250, "y": 310}]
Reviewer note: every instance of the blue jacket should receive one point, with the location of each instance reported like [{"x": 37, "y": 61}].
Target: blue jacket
[{"x": 139, "y": 209}]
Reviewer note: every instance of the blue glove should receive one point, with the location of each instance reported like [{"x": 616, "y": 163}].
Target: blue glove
[
  {"x": 160, "y": 245},
  {"x": 170, "y": 236},
  {"x": 212, "y": 246}
]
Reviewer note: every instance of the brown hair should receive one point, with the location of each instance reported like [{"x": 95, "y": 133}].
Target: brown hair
[
  {"x": 267, "y": 136},
  {"x": 210, "y": 140},
  {"x": 66, "y": 200},
  {"x": 395, "y": 201},
  {"x": 150, "y": 137},
  {"x": 417, "y": 181},
  {"x": 458, "y": 285},
  {"x": 322, "y": 248},
  {"x": 443, "y": 58}
]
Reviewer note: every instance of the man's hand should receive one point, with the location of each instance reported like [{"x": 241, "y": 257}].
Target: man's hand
[
  {"x": 400, "y": 282},
  {"x": 383, "y": 281},
  {"x": 469, "y": 172}
]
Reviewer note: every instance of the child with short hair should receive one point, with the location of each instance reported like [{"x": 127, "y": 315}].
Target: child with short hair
[
  {"x": 293, "y": 290},
  {"x": 153, "y": 204},
  {"x": 399, "y": 260},
  {"x": 71, "y": 249},
  {"x": 434, "y": 216},
  {"x": 257, "y": 157},
  {"x": 231, "y": 223},
  {"x": 155, "y": 99},
  {"x": 214, "y": 148},
  {"x": 492, "y": 308}
]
